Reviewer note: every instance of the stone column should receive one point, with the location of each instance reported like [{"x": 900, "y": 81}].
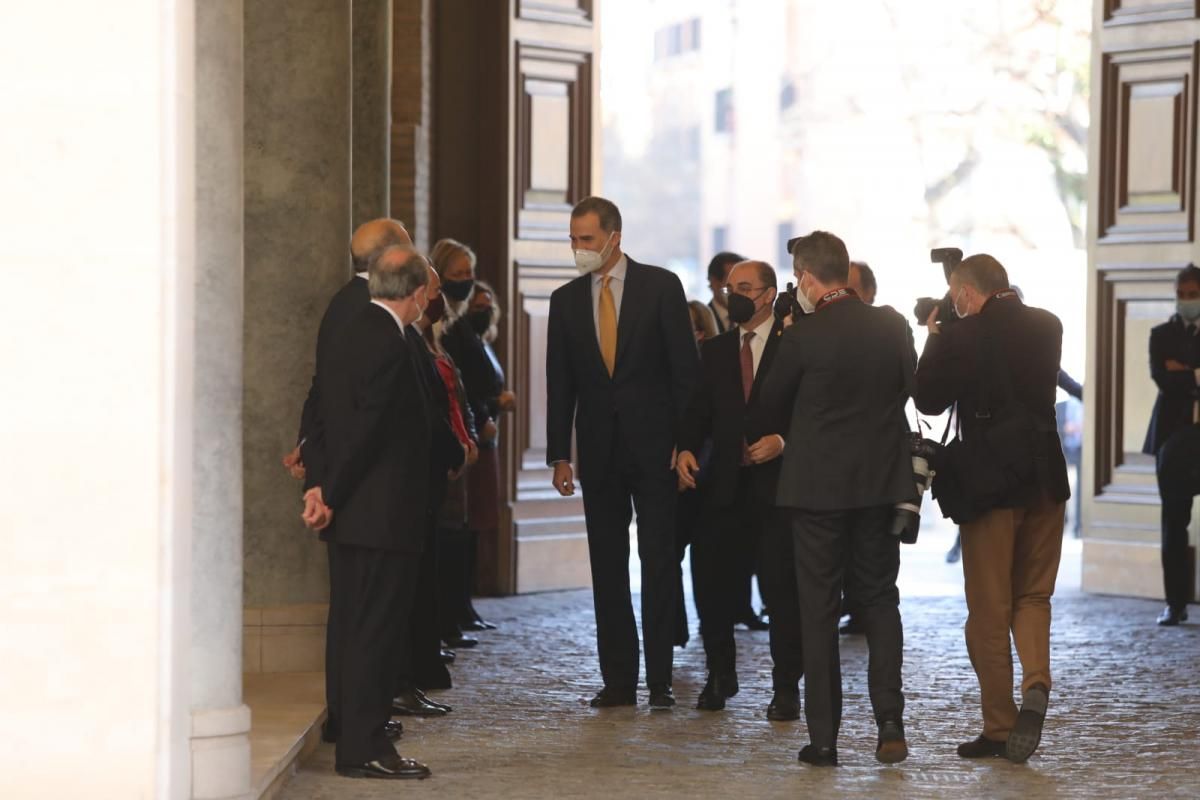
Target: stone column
[
  {"x": 220, "y": 744},
  {"x": 372, "y": 109},
  {"x": 412, "y": 110},
  {"x": 297, "y": 254}
]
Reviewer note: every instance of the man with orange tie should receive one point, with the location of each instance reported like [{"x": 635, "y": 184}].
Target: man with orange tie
[{"x": 620, "y": 364}]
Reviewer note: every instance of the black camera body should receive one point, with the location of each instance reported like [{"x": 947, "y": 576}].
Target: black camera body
[
  {"x": 906, "y": 522},
  {"x": 786, "y": 304},
  {"x": 949, "y": 258}
]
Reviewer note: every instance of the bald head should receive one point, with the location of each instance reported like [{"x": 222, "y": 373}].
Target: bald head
[
  {"x": 755, "y": 273},
  {"x": 397, "y": 272},
  {"x": 373, "y": 236}
]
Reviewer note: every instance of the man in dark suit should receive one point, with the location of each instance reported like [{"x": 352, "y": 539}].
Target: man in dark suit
[
  {"x": 620, "y": 363},
  {"x": 842, "y": 372},
  {"x": 307, "y": 461},
  {"x": 1173, "y": 437},
  {"x": 718, "y": 278},
  {"x": 738, "y": 506},
  {"x": 999, "y": 366},
  {"x": 377, "y": 439}
]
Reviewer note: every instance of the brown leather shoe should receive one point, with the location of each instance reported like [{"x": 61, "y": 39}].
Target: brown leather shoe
[
  {"x": 891, "y": 748},
  {"x": 982, "y": 747}
]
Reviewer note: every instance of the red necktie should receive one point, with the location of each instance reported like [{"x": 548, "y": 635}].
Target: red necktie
[{"x": 747, "y": 365}]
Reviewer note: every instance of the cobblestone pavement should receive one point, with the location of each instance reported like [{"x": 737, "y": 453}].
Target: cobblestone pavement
[{"x": 1122, "y": 724}]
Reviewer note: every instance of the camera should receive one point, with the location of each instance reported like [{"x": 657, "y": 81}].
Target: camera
[
  {"x": 786, "y": 304},
  {"x": 949, "y": 258},
  {"x": 906, "y": 522}
]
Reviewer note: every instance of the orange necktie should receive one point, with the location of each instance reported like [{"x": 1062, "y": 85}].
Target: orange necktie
[{"x": 608, "y": 326}]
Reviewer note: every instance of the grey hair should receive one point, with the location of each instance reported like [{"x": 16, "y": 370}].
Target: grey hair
[
  {"x": 396, "y": 272},
  {"x": 983, "y": 272}
]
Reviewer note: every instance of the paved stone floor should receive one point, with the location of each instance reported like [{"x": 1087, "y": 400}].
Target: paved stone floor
[{"x": 1123, "y": 719}]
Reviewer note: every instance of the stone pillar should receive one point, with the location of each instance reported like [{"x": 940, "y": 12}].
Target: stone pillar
[
  {"x": 372, "y": 109},
  {"x": 412, "y": 110},
  {"x": 220, "y": 745},
  {"x": 297, "y": 254}
]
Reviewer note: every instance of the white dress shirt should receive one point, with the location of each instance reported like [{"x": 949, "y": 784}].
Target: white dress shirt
[
  {"x": 616, "y": 286},
  {"x": 364, "y": 275},
  {"x": 759, "y": 343},
  {"x": 395, "y": 316}
]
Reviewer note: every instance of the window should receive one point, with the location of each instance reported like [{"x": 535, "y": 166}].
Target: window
[
  {"x": 787, "y": 95},
  {"x": 677, "y": 39},
  {"x": 723, "y": 116},
  {"x": 783, "y": 232},
  {"x": 720, "y": 234}
]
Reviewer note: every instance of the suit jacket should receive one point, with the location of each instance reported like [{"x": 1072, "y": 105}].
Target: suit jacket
[
  {"x": 342, "y": 308},
  {"x": 954, "y": 369},
  {"x": 447, "y": 454},
  {"x": 645, "y": 399},
  {"x": 1176, "y": 390},
  {"x": 719, "y": 410},
  {"x": 841, "y": 372},
  {"x": 378, "y": 435},
  {"x": 712, "y": 306},
  {"x": 481, "y": 373}
]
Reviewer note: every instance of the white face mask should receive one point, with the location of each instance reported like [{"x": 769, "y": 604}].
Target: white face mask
[
  {"x": 807, "y": 305},
  {"x": 590, "y": 260}
]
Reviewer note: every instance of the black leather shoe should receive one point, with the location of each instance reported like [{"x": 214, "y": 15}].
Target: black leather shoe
[
  {"x": 429, "y": 701},
  {"x": 851, "y": 627},
  {"x": 387, "y": 768},
  {"x": 716, "y": 690},
  {"x": 1026, "y": 734},
  {"x": 477, "y": 625},
  {"x": 754, "y": 622},
  {"x": 784, "y": 707},
  {"x": 661, "y": 696},
  {"x": 448, "y": 656},
  {"x": 891, "y": 747},
  {"x": 1172, "y": 615},
  {"x": 410, "y": 703},
  {"x": 462, "y": 643},
  {"x": 393, "y": 729},
  {"x": 982, "y": 748},
  {"x": 818, "y": 756},
  {"x": 611, "y": 697}
]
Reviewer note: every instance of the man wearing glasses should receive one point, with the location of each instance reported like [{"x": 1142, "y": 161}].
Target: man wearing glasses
[{"x": 739, "y": 504}]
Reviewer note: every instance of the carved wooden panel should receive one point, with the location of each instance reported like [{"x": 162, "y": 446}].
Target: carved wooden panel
[
  {"x": 1148, "y": 146},
  {"x": 1133, "y": 12},
  {"x": 564, "y": 12}
]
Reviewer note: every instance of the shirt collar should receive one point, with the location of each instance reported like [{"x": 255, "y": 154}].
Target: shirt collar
[
  {"x": 364, "y": 275},
  {"x": 395, "y": 316},
  {"x": 762, "y": 332},
  {"x": 617, "y": 274}
]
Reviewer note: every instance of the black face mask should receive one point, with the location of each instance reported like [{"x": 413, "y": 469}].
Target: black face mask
[
  {"x": 458, "y": 290},
  {"x": 741, "y": 308},
  {"x": 480, "y": 320},
  {"x": 435, "y": 310}
]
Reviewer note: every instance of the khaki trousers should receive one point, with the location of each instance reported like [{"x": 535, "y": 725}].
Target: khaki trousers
[{"x": 1010, "y": 562}]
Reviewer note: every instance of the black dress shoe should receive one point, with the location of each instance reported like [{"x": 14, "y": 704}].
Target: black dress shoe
[
  {"x": 424, "y": 698},
  {"x": 462, "y": 643},
  {"x": 611, "y": 697},
  {"x": 661, "y": 696},
  {"x": 387, "y": 768},
  {"x": 477, "y": 625},
  {"x": 818, "y": 756},
  {"x": 1172, "y": 615},
  {"x": 1026, "y": 734},
  {"x": 409, "y": 703},
  {"x": 716, "y": 690},
  {"x": 393, "y": 729},
  {"x": 851, "y": 627},
  {"x": 784, "y": 707},
  {"x": 982, "y": 747},
  {"x": 448, "y": 656},
  {"x": 891, "y": 747},
  {"x": 754, "y": 622}
]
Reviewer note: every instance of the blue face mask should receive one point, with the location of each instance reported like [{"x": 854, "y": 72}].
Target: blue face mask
[{"x": 1188, "y": 309}]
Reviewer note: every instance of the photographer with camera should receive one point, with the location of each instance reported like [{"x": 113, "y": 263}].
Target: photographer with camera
[
  {"x": 1004, "y": 480},
  {"x": 842, "y": 376}
]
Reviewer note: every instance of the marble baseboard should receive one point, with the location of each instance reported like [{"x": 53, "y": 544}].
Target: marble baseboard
[
  {"x": 284, "y": 638},
  {"x": 1130, "y": 569},
  {"x": 286, "y": 715}
]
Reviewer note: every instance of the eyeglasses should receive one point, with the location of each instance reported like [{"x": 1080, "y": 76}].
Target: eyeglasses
[{"x": 743, "y": 288}]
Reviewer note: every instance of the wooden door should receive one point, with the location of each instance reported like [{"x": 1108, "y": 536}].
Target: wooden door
[
  {"x": 1142, "y": 198},
  {"x": 516, "y": 145}
]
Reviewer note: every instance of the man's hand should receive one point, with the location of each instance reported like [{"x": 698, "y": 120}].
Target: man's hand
[
  {"x": 564, "y": 478},
  {"x": 295, "y": 466},
  {"x": 507, "y": 401},
  {"x": 931, "y": 321},
  {"x": 687, "y": 468},
  {"x": 488, "y": 434},
  {"x": 316, "y": 514},
  {"x": 1177, "y": 366},
  {"x": 766, "y": 449}
]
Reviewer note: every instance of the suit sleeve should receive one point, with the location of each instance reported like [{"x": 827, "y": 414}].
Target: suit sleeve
[
  {"x": 779, "y": 389},
  {"x": 680, "y": 342},
  {"x": 1177, "y": 384},
  {"x": 697, "y": 423},
  {"x": 1070, "y": 385},
  {"x": 561, "y": 391},
  {"x": 940, "y": 372},
  {"x": 364, "y": 430}
]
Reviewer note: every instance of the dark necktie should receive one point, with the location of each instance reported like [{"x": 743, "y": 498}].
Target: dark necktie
[{"x": 747, "y": 366}]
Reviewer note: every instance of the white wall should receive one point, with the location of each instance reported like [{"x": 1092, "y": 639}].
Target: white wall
[{"x": 95, "y": 386}]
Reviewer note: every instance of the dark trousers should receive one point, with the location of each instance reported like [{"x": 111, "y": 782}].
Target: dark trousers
[
  {"x": 609, "y": 501},
  {"x": 422, "y": 664},
  {"x": 454, "y": 593},
  {"x": 371, "y": 593},
  {"x": 821, "y": 540},
  {"x": 1178, "y": 483},
  {"x": 778, "y": 577}
]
